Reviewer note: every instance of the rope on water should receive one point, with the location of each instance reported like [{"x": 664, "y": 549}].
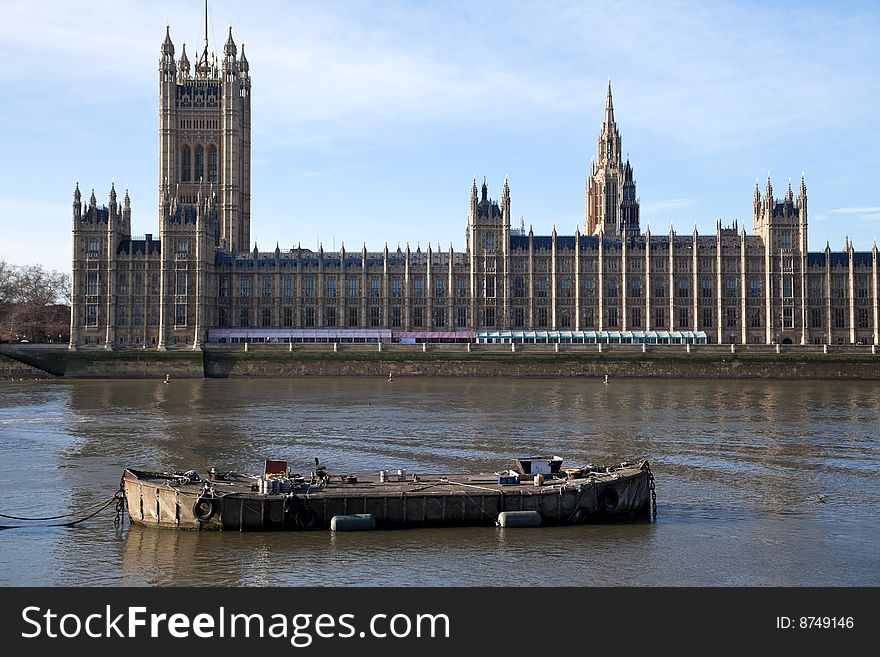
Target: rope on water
[
  {"x": 118, "y": 498},
  {"x": 65, "y": 515}
]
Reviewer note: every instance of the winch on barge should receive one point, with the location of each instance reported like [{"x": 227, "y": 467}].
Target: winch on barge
[{"x": 537, "y": 491}]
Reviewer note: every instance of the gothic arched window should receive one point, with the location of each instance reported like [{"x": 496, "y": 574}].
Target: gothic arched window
[
  {"x": 200, "y": 164},
  {"x": 185, "y": 164},
  {"x": 212, "y": 164}
]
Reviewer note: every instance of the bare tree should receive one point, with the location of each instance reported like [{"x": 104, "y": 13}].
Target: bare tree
[
  {"x": 34, "y": 303},
  {"x": 6, "y": 272}
]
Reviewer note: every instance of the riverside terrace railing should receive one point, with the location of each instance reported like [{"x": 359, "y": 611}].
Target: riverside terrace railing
[
  {"x": 591, "y": 337},
  {"x": 253, "y": 335},
  {"x": 451, "y": 347},
  {"x": 333, "y": 335}
]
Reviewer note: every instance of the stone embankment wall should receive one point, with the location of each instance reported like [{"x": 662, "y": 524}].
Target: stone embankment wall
[
  {"x": 550, "y": 365},
  {"x": 324, "y": 360},
  {"x": 134, "y": 364},
  {"x": 13, "y": 370}
]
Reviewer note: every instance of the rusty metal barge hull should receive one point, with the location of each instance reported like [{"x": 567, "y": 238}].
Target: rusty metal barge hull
[{"x": 170, "y": 501}]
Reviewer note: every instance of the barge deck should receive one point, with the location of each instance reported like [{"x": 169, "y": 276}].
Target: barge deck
[{"x": 237, "y": 502}]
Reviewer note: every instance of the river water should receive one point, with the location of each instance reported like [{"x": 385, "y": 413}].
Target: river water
[{"x": 758, "y": 483}]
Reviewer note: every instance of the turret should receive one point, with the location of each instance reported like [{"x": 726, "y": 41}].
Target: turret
[
  {"x": 243, "y": 65},
  {"x": 472, "y": 213},
  {"x": 77, "y": 203},
  {"x": 802, "y": 197},
  {"x": 168, "y": 45},
  {"x": 183, "y": 65},
  {"x": 126, "y": 209},
  {"x": 167, "y": 67},
  {"x": 229, "y": 49}
]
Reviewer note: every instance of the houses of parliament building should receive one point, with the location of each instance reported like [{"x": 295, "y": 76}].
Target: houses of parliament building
[{"x": 197, "y": 280}]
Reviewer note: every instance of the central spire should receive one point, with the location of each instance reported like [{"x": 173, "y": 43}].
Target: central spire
[
  {"x": 609, "y": 104},
  {"x": 612, "y": 206}
]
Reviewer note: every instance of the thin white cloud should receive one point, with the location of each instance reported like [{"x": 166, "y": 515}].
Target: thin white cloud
[
  {"x": 871, "y": 210},
  {"x": 338, "y": 71},
  {"x": 704, "y": 93}
]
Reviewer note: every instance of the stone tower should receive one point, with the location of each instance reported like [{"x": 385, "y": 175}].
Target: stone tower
[
  {"x": 97, "y": 231},
  {"x": 612, "y": 207},
  {"x": 782, "y": 225},
  {"x": 487, "y": 243},
  {"x": 205, "y": 134}
]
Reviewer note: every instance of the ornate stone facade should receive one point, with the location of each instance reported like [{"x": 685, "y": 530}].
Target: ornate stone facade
[{"x": 198, "y": 276}]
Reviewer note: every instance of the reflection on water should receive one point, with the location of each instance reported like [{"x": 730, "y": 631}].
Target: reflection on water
[{"x": 739, "y": 465}]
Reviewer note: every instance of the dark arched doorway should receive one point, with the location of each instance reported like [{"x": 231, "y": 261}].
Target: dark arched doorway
[{"x": 786, "y": 341}]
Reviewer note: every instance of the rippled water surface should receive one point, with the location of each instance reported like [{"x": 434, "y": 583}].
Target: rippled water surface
[{"x": 740, "y": 469}]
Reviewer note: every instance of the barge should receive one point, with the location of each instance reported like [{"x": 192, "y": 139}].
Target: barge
[{"x": 535, "y": 491}]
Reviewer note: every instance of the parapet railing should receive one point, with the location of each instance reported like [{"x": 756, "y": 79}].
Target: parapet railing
[{"x": 546, "y": 348}]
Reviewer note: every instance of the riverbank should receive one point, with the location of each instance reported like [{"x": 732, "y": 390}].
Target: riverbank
[
  {"x": 14, "y": 370},
  {"x": 451, "y": 360}
]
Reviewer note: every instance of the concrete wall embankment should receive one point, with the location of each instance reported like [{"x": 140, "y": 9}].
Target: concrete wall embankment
[
  {"x": 253, "y": 365},
  {"x": 13, "y": 370},
  {"x": 134, "y": 365},
  {"x": 43, "y": 363}
]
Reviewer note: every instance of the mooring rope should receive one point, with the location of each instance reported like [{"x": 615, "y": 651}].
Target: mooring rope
[
  {"x": 65, "y": 515},
  {"x": 117, "y": 498}
]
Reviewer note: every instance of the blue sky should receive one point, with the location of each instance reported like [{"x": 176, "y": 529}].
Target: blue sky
[{"x": 370, "y": 119}]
